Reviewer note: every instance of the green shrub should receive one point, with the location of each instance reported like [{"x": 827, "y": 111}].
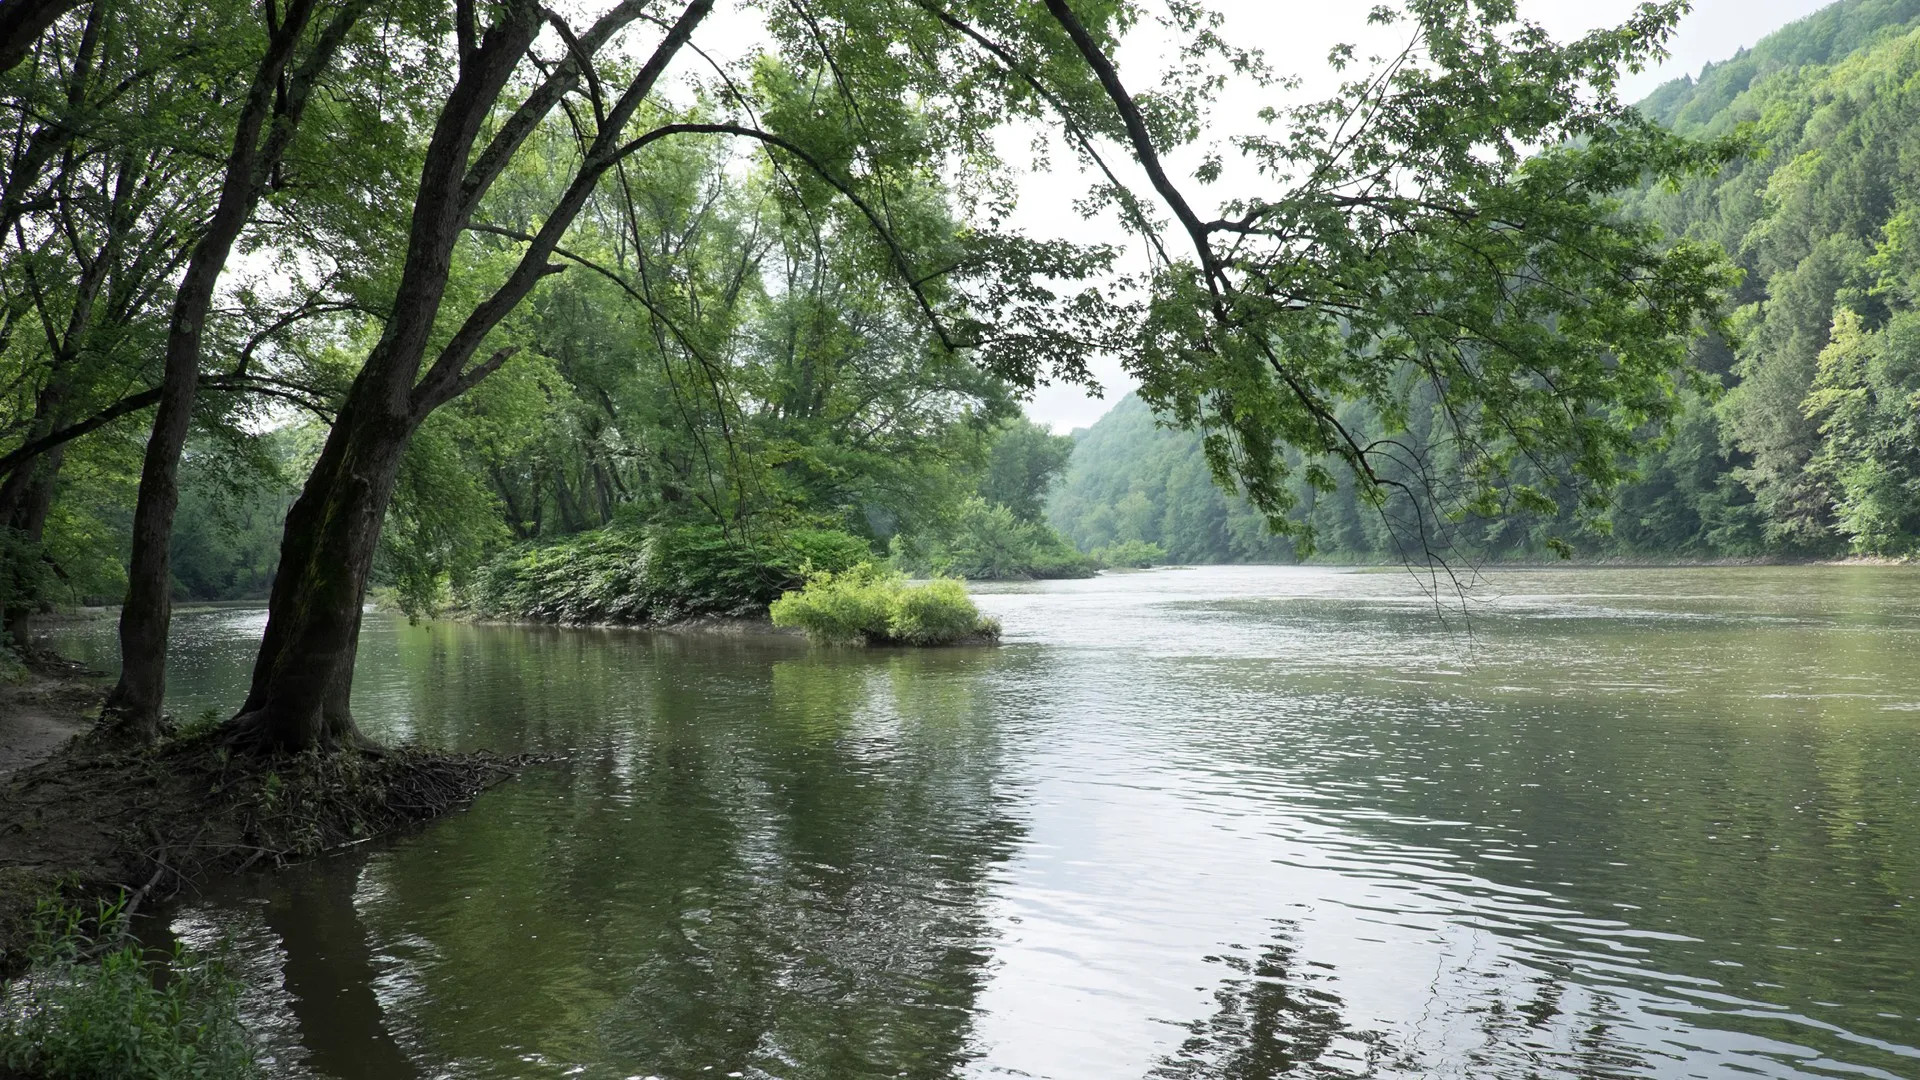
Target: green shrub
[
  {"x": 80, "y": 1013},
  {"x": 653, "y": 574},
  {"x": 935, "y": 613},
  {"x": 871, "y": 606},
  {"x": 987, "y": 542},
  {"x": 1131, "y": 555}
]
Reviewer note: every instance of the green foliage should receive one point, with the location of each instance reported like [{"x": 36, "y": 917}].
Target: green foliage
[
  {"x": 442, "y": 522},
  {"x": 1130, "y": 555},
  {"x": 998, "y": 532},
  {"x": 866, "y": 605},
  {"x": 1425, "y": 273},
  {"x": 1816, "y": 421},
  {"x": 26, "y": 578},
  {"x": 1412, "y": 321},
  {"x": 199, "y": 725},
  {"x": 652, "y": 575},
  {"x": 988, "y": 542},
  {"x": 1800, "y": 443},
  {"x": 85, "y": 538},
  {"x": 756, "y": 369},
  {"x": 1866, "y": 399},
  {"x": 1132, "y": 480},
  {"x": 235, "y": 489},
  {"x": 1823, "y": 38},
  {"x": 1023, "y": 464},
  {"x": 90, "y": 1008}
]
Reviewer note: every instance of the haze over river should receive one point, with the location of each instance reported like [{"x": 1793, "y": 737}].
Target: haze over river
[{"x": 1234, "y": 822}]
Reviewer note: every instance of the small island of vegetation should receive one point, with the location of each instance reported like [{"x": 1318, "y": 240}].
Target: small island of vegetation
[{"x": 868, "y": 605}]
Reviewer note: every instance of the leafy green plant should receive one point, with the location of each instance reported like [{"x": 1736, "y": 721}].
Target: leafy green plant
[
  {"x": 654, "y": 574},
  {"x": 935, "y": 613},
  {"x": 200, "y": 724},
  {"x": 92, "y": 1008},
  {"x": 867, "y": 605},
  {"x": 989, "y": 542},
  {"x": 1130, "y": 555}
]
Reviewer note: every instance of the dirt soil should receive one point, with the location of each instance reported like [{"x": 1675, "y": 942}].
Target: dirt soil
[
  {"x": 38, "y": 716},
  {"x": 81, "y": 820}
]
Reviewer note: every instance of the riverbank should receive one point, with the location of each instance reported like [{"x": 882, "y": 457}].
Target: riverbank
[
  {"x": 55, "y": 700},
  {"x": 79, "y": 820}
]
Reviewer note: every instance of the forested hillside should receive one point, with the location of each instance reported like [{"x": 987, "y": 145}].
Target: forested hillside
[
  {"x": 1809, "y": 448},
  {"x": 1131, "y": 478}
]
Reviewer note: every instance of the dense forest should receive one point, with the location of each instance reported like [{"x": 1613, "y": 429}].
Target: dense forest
[
  {"x": 1807, "y": 441},
  {"x": 475, "y": 308}
]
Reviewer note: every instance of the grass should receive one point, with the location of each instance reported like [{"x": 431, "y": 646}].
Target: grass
[
  {"x": 92, "y": 1006},
  {"x": 870, "y": 606}
]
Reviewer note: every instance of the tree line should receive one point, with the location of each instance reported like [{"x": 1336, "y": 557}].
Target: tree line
[
  {"x": 482, "y": 273},
  {"x": 1801, "y": 443}
]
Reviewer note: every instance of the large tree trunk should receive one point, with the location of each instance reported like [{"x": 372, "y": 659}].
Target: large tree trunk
[
  {"x": 133, "y": 707},
  {"x": 303, "y": 676}
]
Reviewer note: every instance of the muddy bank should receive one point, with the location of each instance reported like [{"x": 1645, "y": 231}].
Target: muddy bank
[
  {"x": 40, "y": 715},
  {"x": 82, "y": 820}
]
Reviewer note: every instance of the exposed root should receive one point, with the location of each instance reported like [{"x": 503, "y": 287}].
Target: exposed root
[
  {"x": 128, "y": 729},
  {"x": 148, "y": 822}
]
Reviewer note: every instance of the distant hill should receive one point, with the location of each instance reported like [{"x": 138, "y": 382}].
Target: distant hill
[
  {"x": 1819, "y": 40},
  {"x": 1131, "y": 479},
  {"x": 1814, "y": 449}
]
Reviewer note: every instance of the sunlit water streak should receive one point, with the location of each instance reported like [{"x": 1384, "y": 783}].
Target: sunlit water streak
[{"x": 1220, "y": 823}]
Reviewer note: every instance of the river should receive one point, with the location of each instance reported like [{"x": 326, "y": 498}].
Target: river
[{"x": 1230, "y": 823}]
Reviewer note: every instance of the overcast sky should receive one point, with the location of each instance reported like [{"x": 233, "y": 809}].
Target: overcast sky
[{"x": 1296, "y": 34}]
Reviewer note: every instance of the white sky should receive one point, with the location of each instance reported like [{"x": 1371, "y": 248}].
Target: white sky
[{"x": 1295, "y": 36}]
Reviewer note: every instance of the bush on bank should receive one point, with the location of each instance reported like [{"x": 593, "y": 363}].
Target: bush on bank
[
  {"x": 867, "y": 605},
  {"x": 1130, "y": 555},
  {"x": 988, "y": 542},
  {"x": 88, "y": 1008},
  {"x": 653, "y": 575}
]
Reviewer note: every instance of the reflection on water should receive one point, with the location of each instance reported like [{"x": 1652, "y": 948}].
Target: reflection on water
[{"x": 1187, "y": 825}]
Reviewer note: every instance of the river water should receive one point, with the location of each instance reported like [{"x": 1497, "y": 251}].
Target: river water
[{"x": 1231, "y": 823}]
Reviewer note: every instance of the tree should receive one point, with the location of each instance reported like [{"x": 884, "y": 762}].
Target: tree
[
  {"x": 1025, "y": 461},
  {"x": 1802, "y": 454},
  {"x": 303, "y": 677},
  {"x": 1413, "y": 241},
  {"x": 265, "y": 128},
  {"x": 1420, "y": 248},
  {"x": 1863, "y": 399},
  {"x": 94, "y": 205}
]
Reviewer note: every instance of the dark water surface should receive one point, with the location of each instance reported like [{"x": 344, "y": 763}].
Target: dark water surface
[{"x": 1218, "y": 823}]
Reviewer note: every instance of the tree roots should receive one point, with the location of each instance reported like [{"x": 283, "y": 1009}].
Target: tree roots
[{"x": 152, "y": 821}]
